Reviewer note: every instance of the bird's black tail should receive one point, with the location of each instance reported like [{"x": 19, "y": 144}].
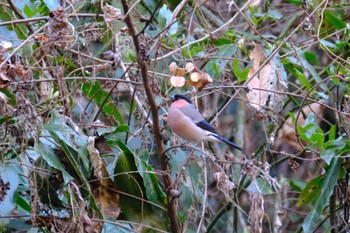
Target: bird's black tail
[{"x": 225, "y": 140}]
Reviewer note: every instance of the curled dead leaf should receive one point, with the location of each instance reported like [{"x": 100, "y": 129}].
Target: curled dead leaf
[
  {"x": 3, "y": 104},
  {"x": 112, "y": 56},
  {"x": 4, "y": 81},
  {"x": 59, "y": 30},
  {"x": 95, "y": 158},
  {"x": 42, "y": 37},
  {"x": 111, "y": 14},
  {"x": 20, "y": 72},
  {"x": 3, "y": 98},
  {"x": 264, "y": 86},
  {"x": 124, "y": 29}
]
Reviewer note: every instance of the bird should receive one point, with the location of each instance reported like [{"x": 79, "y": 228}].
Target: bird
[{"x": 186, "y": 122}]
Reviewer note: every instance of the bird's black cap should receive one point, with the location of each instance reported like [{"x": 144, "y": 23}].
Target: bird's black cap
[{"x": 179, "y": 97}]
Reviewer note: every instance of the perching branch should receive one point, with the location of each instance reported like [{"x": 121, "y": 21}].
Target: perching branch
[{"x": 155, "y": 128}]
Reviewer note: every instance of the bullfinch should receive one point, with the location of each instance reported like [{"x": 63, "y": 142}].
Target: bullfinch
[{"x": 189, "y": 124}]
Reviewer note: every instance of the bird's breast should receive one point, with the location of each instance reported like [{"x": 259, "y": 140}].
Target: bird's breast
[{"x": 183, "y": 126}]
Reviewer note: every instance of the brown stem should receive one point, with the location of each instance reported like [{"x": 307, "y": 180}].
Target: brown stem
[{"x": 156, "y": 129}]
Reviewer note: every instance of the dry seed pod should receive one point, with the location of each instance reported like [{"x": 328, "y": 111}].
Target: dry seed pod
[
  {"x": 177, "y": 81},
  {"x": 196, "y": 76},
  {"x": 189, "y": 67},
  {"x": 173, "y": 68}
]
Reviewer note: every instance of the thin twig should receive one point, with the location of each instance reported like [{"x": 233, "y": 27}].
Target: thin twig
[
  {"x": 21, "y": 45},
  {"x": 156, "y": 127},
  {"x": 136, "y": 98},
  {"x": 273, "y": 53},
  {"x": 206, "y": 36},
  {"x": 36, "y": 19}
]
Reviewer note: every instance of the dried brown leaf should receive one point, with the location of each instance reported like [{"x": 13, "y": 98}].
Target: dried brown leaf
[
  {"x": 257, "y": 98},
  {"x": 95, "y": 158},
  {"x": 112, "y": 56},
  {"x": 59, "y": 30},
  {"x": 111, "y": 14},
  {"x": 3, "y": 103},
  {"x": 42, "y": 37},
  {"x": 4, "y": 81},
  {"x": 264, "y": 86},
  {"x": 256, "y": 213}
]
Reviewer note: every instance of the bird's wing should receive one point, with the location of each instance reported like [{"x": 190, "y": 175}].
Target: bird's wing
[
  {"x": 206, "y": 126},
  {"x": 191, "y": 112}
]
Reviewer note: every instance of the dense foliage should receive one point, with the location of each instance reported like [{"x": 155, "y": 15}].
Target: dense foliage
[{"x": 84, "y": 91}]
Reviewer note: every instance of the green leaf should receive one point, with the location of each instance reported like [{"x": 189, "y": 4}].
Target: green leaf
[
  {"x": 7, "y": 120},
  {"x": 297, "y": 185},
  {"x": 129, "y": 181},
  {"x": 48, "y": 193},
  {"x": 311, "y": 57},
  {"x": 29, "y": 13},
  {"x": 328, "y": 44},
  {"x": 112, "y": 130},
  {"x": 215, "y": 67},
  {"x": 83, "y": 177},
  {"x": 72, "y": 139},
  {"x": 296, "y": 2},
  {"x": 303, "y": 79},
  {"x": 20, "y": 29},
  {"x": 222, "y": 41},
  {"x": 50, "y": 157},
  {"x": 306, "y": 65},
  {"x": 20, "y": 226},
  {"x": 308, "y": 192},
  {"x": 334, "y": 20},
  {"x": 275, "y": 14},
  {"x": 241, "y": 75},
  {"x": 324, "y": 191},
  {"x": 152, "y": 4},
  {"x": 260, "y": 186},
  {"x": 332, "y": 132},
  {"x": 311, "y": 132},
  {"x": 331, "y": 148},
  {"x": 18, "y": 199},
  {"x": 10, "y": 97},
  {"x": 94, "y": 91},
  {"x": 153, "y": 189}
]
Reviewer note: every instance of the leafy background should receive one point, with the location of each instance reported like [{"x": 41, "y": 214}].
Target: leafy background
[{"x": 84, "y": 90}]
